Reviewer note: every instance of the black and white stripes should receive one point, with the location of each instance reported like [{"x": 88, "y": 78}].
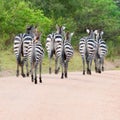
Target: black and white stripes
[
  {"x": 93, "y": 47},
  {"x": 87, "y": 50},
  {"x": 101, "y": 51},
  {"x": 54, "y": 46},
  {"x": 36, "y": 54},
  {"x": 58, "y": 44},
  {"x": 21, "y": 43},
  {"x": 66, "y": 53}
]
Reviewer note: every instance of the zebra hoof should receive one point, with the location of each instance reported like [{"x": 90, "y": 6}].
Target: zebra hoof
[
  {"x": 32, "y": 78},
  {"x": 40, "y": 80},
  {"x": 65, "y": 75},
  {"x": 102, "y": 68},
  {"x": 27, "y": 74},
  {"x": 83, "y": 72},
  {"x": 50, "y": 71},
  {"x": 62, "y": 76},
  {"x": 23, "y": 75},
  {"x": 35, "y": 80},
  {"x": 56, "y": 71},
  {"x": 17, "y": 73},
  {"x": 88, "y": 72}
]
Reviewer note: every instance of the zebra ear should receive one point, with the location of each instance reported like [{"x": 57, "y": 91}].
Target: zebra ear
[
  {"x": 63, "y": 27},
  {"x": 102, "y": 33},
  {"x": 88, "y": 31},
  {"x": 96, "y": 32},
  {"x": 72, "y": 34}
]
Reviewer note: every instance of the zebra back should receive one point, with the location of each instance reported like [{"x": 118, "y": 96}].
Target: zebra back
[
  {"x": 87, "y": 49},
  {"x": 100, "y": 44},
  {"x": 21, "y": 43},
  {"x": 54, "y": 42},
  {"x": 67, "y": 47},
  {"x": 35, "y": 50},
  {"x": 87, "y": 45},
  {"x": 50, "y": 45}
]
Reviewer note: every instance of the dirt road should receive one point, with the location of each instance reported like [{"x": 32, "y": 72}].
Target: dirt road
[{"x": 95, "y": 97}]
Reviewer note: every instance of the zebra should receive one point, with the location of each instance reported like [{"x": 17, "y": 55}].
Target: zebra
[
  {"x": 54, "y": 46},
  {"x": 36, "y": 54},
  {"x": 67, "y": 53},
  {"x": 101, "y": 51},
  {"x": 21, "y": 42},
  {"x": 87, "y": 50}
]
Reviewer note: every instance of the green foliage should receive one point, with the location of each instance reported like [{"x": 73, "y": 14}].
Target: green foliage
[
  {"x": 75, "y": 15},
  {"x": 17, "y": 15}
]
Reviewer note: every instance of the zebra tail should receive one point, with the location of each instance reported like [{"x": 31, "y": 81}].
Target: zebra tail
[
  {"x": 19, "y": 59},
  {"x": 19, "y": 55},
  {"x": 52, "y": 52},
  {"x": 63, "y": 55}
]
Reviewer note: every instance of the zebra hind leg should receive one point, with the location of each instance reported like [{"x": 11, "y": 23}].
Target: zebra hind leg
[
  {"x": 27, "y": 69},
  {"x": 88, "y": 71},
  {"x": 40, "y": 70},
  {"x": 22, "y": 69},
  {"x": 57, "y": 70},
  {"x": 62, "y": 76},
  {"x": 35, "y": 79},
  {"x": 66, "y": 69},
  {"x": 96, "y": 69},
  {"x": 50, "y": 71},
  {"x": 32, "y": 79},
  {"x": 83, "y": 59},
  {"x": 17, "y": 73},
  {"x": 27, "y": 74},
  {"x": 65, "y": 74},
  {"x": 23, "y": 74},
  {"x": 99, "y": 71},
  {"x": 102, "y": 68},
  {"x": 40, "y": 79},
  {"x": 83, "y": 72}
]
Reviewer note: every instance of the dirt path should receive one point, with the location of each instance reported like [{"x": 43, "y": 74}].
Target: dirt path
[{"x": 95, "y": 97}]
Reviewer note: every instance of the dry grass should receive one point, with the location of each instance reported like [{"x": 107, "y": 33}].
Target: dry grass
[{"x": 8, "y": 63}]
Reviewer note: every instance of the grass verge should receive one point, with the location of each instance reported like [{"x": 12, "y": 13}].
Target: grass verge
[{"x": 8, "y": 63}]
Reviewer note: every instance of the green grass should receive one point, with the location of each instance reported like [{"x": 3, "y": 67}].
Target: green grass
[
  {"x": 7, "y": 60},
  {"x": 8, "y": 63}
]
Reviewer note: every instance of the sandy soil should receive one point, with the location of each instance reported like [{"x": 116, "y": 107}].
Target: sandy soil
[{"x": 95, "y": 97}]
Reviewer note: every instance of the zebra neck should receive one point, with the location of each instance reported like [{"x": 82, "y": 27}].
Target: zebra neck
[{"x": 34, "y": 52}]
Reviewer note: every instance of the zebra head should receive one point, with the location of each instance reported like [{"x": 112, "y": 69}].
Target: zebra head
[
  {"x": 68, "y": 36},
  {"x": 60, "y": 29},
  {"x": 37, "y": 37},
  {"x": 99, "y": 34},
  {"x": 91, "y": 33},
  {"x": 31, "y": 30}
]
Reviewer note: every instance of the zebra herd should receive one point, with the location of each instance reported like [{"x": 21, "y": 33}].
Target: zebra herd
[
  {"x": 28, "y": 49},
  {"x": 93, "y": 47},
  {"x": 28, "y": 46}
]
